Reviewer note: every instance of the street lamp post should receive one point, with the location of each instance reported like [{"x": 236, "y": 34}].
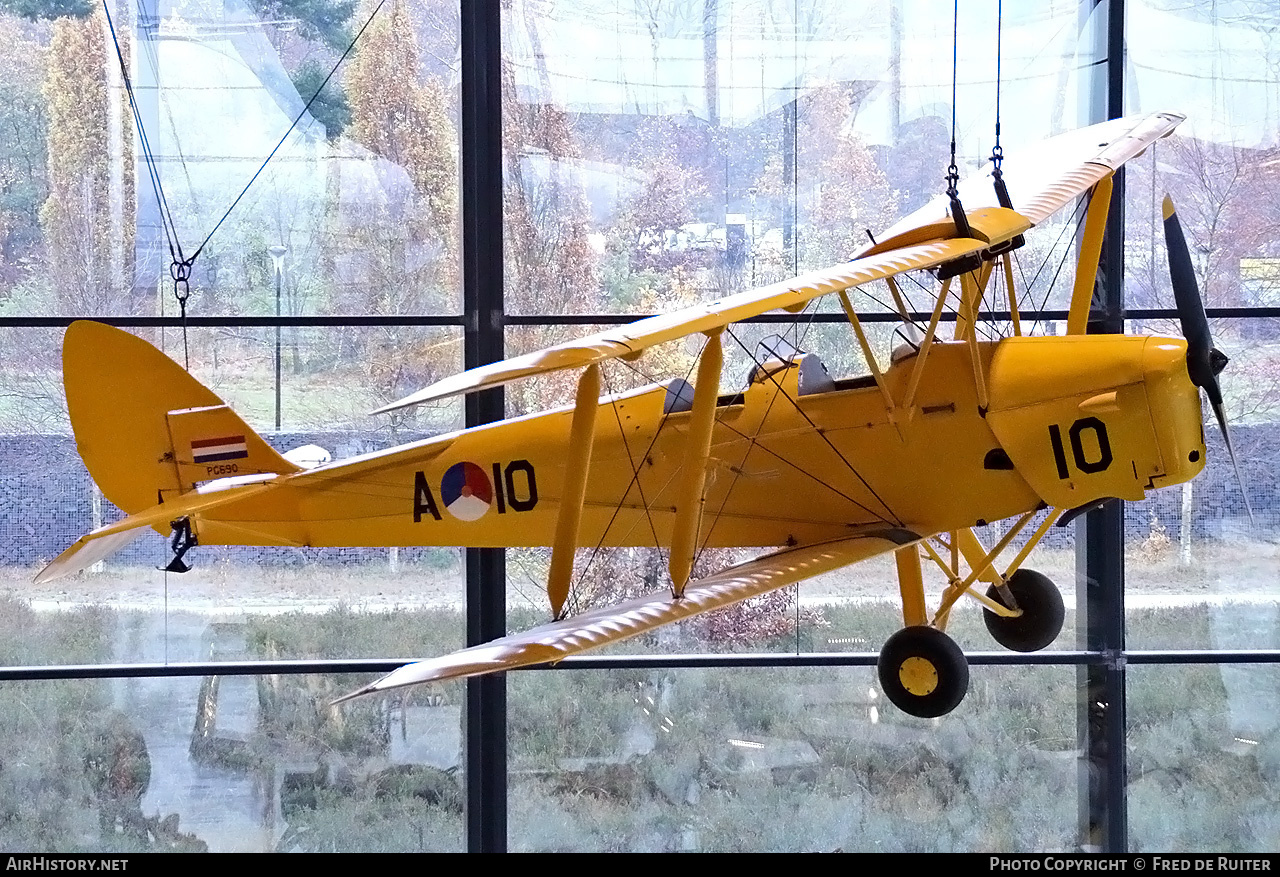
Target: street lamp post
[{"x": 277, "y": 259}]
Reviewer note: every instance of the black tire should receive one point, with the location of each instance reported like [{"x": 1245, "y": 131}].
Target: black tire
[
  {"x": 923, "y": 672},
  {"x": 1042, "y": 613}
]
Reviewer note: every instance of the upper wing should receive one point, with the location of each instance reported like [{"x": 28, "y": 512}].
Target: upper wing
[
  {"x": 634, "y": 338},
  {"x": 1044, "y": 178},
  {"x": 552, "y": 642},
  {"x": 1041, "y": 180}
]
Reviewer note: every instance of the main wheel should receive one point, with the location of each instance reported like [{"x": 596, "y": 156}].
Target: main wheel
[
  {"x": 923, "y": 672},
  {"x": 1042, "y": 613}
]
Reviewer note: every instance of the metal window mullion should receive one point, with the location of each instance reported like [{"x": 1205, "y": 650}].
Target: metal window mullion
[
  {"x": 485, "y": 730},
  {"x": 615, "y": 319},
  {"x": 1100, "y": 533}
]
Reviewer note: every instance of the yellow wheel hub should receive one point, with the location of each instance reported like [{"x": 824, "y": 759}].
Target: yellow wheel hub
[{"x": 918, "y": 676}]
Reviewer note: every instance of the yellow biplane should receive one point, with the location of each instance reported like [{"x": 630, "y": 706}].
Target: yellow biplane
[{"x": 952, "y": 434}]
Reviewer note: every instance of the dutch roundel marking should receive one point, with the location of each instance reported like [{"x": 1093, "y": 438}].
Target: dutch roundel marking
[{"x": 466, "y": 491}]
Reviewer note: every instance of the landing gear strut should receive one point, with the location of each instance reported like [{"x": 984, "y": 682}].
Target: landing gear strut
[{"x": 923, "y": 672}]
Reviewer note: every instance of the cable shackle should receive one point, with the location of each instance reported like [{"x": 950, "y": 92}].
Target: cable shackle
[
  {"x": 181, "y": 274},
  {"x": 953, "y": 179},
  {"x": 180, "y": 271}
]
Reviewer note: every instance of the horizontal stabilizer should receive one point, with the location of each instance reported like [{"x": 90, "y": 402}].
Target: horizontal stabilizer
[
  {"x": 106, "y": 541},
  {"x": 612, "y": 624}
]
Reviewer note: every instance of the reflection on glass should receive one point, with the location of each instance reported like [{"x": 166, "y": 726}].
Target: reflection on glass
[
  {"x": 360, "y": 190},
  {"x": 1204, "y": 758},
  {"x": 659, "y": 155},
  {"x": 795, "y": 760},
  {"x": 1192, "y": 552},
  {"x": 854, "y": 609},
  {"x": 223, "y": 764},
  {"x": 1200, "y": 572},
  {"x": 291, "y": 602}
]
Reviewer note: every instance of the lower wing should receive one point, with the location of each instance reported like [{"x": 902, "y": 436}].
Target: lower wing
[{"x": 552, "y": 642}]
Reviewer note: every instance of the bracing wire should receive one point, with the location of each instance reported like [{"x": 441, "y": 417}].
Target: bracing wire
[
  {"x": 1082, "y": 211},
  {"x": 635, "y": 477},
  {"x": 753, "y": 440},
  {"x": 826, "y": 440}
]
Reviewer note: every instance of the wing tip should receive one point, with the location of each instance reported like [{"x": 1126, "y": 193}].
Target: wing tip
[
  {"x": 421, "y": 396},
  {"x": 1166, "y": 208},
  {"x": 352, "y": 695}
]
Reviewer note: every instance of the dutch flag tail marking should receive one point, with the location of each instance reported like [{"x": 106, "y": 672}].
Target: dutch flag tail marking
[{"x": 215, "y": 450}]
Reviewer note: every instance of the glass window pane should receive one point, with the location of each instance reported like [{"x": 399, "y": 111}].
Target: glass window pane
[
  {"x": 1218, "y": 66},
  {"x": 666, "y": 154},
  {"x": 1193, "y": 553},
  {"x": 736, "y": 760},
  {"x": 1203, "y": 757},
  {"x": 356, "y": 212},
  {"x": 226, "y": 764},
  {"x": 298, "y": 601}
]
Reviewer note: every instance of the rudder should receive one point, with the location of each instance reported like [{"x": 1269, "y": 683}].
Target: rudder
[{"x": 145, "y": 428}]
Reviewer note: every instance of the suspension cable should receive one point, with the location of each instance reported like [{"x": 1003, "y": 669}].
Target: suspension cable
[
  {"x": 293, "y": 125},
  {"x": 997, "y": 151},
  {"x": 953, "y": 170},
  {"x": 166, "y": 215},
  {"x": 180, "y": 264}
]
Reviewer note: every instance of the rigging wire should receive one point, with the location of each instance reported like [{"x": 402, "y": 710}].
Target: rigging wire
[
  {"x": 781, "y": 459},
  {"x": 753, "y": 440},
  {"x": 635, "y": 472},
  {"x": 1082, "y": 209},
  {"x": 819, "y": 432}
]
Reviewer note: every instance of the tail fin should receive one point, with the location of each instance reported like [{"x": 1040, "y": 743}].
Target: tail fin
[{"x": 146, "y": 430}]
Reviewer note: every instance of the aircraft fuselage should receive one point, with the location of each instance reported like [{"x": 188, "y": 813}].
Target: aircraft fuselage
[{"x": 1068, "y": 421}]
